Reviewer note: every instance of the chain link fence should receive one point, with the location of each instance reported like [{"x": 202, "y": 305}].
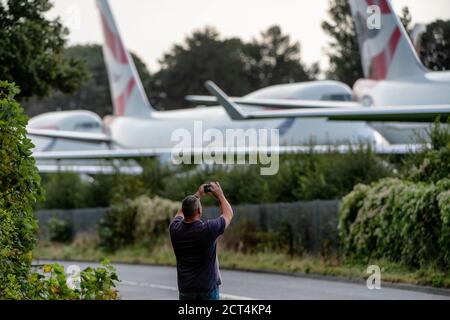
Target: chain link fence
[{"x": 313, "y": 224}]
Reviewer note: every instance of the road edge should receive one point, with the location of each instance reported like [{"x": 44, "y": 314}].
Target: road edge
[{"x": 315, "y": 276}]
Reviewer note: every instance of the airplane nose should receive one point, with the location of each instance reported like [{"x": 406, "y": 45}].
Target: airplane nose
[{"x": 370, "y": 136}]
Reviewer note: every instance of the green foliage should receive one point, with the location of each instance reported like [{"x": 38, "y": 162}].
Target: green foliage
[
  {"x": 203, "y": 55},
  {"x": 64, "y": 190},
  {"x": 32, "y": 47},
  {"x": 116, "y": 228},
  {"x": 301, "y": 177},
  {"x": 94, "y": 93},
  {"x": 435, "y": 46},
  {"x": 70, "y": 191},
  {"x": 433, "y": 163},
  {"x": 94, "y": 283},
  {"x": 406, "y": 19},
  {"x": 345, "y": 61},
  {"x": 434, "y": 167},
  {"x": 152, "y": 218},
  {"x": 275, "y": 59},
  {"x": 246, "y": 237},
  {"x": 404, "y": 220},
  {"x": 19, "y": 191},
  {"x": 333, "y": 175},
  {"x": 236, "y": 66},
  {"x": 444, "y": 208},
  {"x": 239, "y": 67},
  {"x": 398, "y": 220},
  {"x": 349, "y": 208},
  {"x": 60, "y": 230},
  {"x": 142, "y": 220}
]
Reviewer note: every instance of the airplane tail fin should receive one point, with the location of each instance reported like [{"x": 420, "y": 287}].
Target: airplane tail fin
[
  {"x": 385, "y": 47},
  {"x": 127, "y": 93}
]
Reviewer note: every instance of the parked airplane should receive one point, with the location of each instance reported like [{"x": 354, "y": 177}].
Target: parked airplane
[
  {"x": 137, "y": 128},
  {"x": 397, "y": 86}
]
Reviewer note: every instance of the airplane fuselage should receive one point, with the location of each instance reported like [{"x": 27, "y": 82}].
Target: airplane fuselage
[
  {"x": 161, "y": 130},
  {"x": 431, "y": 88}
]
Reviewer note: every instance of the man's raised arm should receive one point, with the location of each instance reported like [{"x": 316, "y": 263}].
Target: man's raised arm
[{"x": 225, "y": 207}]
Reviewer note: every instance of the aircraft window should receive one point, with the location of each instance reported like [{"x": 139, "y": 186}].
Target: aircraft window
[
  {"x": 337, "y": 97},
  {"x": 87, "y": 125}
]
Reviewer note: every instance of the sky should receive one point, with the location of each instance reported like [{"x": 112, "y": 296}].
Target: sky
[{"x": 151, "y": 27}]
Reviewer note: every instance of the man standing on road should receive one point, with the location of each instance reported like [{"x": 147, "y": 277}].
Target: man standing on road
[{"x": 195, "y": 243}]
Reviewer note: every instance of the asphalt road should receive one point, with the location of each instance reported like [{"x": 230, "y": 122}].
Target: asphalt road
[{"x": 140, "y": 282}]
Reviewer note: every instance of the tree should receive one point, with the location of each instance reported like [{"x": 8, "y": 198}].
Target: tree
[
  {"x": 345, "y": 61},
  {"x": 202, "y": 56},
  {"x": 435, "y": 46},
  {"x": 406, "y": 19},
  {"x": 236, "y": 66},
  {"x": 94, "y": 94},
  {"x": 31, "y": 49},
  {"x": 274, "y": 59}
]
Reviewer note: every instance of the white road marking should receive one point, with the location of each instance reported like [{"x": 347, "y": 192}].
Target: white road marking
[{"x": 224, "y": 296}]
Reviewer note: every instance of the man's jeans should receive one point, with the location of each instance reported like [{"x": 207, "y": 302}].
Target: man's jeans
[{"x": 208, "y": 295}]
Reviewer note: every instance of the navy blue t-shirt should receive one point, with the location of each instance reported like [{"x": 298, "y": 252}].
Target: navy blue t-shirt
[{"x": 195, "y": 245}]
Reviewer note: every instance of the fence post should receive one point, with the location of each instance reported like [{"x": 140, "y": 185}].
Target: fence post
[{"x": 316, "y": 226}]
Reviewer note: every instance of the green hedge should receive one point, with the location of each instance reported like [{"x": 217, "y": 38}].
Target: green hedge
[
  {"x": 301, "y": 177},
  {"x": 398, "y": 220},
  {"x": 139, "y": 221},
  {"x": 19, "y": 191}
]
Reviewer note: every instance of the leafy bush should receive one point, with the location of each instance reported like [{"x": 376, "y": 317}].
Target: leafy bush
[
  {"x": 19, "y": 191},
  {"x": 301, "y": 177},
  {"x": 397, "y": 220},
  {"x": 116, "y": 228},
  {"x": 433, "y": 163},
  {"x": 60, "y": 230},
  {"x": 434, "y": 167},
  {"x": 64, "y": 191},
  {"x": 444, "y": 207},
  {"x": 141, "y": 220},
  {"x": 246, "y": 237},
  {"x": 94, "y": 284},
  {"x": 406, "y": 219},
  {"x": 152, "y": 217},
  {"x": 333, "y": 175}
]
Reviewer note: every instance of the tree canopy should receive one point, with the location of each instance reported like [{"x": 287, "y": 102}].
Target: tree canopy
[
  {"x": 237, "y": 66},
  {"x": 435, "y": 46},
  {"x": 94, "y": 93},
  {"x": 32, "y": 49},
  {"x": 343, "y": 52}
]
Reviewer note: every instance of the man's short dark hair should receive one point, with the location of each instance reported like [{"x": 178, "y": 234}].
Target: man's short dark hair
[{"x": 190, "y": 206}]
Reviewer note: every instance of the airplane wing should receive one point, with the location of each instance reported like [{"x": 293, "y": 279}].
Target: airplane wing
[
  {"x": 100, "y": 154},
  {"x": 70, "y": 135},
  {"x": 88, "y": 169},
  {"x": 395, "y": 114},
  {"x": 275, "y": 103},
  {"x": 138, "y": 153}
]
